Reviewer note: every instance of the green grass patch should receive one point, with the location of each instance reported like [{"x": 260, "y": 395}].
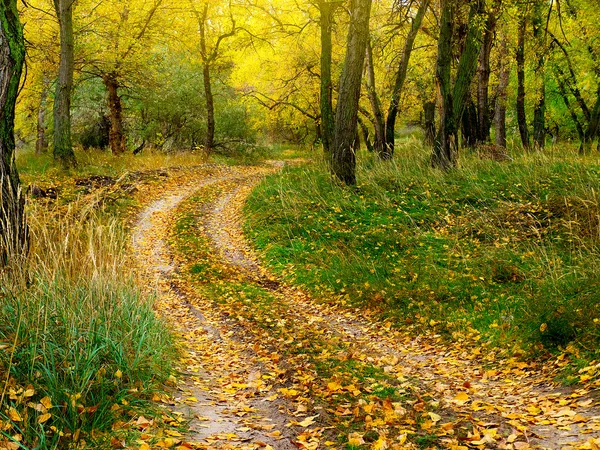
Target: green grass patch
[{"x": 499, "y": 250}]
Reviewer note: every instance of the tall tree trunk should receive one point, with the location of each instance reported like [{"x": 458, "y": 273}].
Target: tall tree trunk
[
  {"x": 539, "y": 111},
  {"x": 13, "y": 227},
  {"x": 521, "y": 116},
  {"x": 343, "y": 160},
  {"x": 503, "y": 80},
  {"x": 429, "y": 117},
  {"x": 378, "y": 119},
  {"x": 209, "y": 141},
  {"x": 41, "y": 143},
  {"x": 444, "y": 149},
  {"x": 117, "y": 135},
  {"x": 593, "y": 126},
  {"x": 63, "y": 145},
  {"x": 453, "y": 100},
  {"x": 365, "y": 132},
  {"x": 470, "y": 125},
  {"x": 326, "y": 102},
  {"x": 390, "y": 124},
  {"x": 483, "y": 80}
]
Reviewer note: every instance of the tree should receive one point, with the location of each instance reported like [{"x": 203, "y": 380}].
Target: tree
[
  {"x": 209, "y": 56},
  {"x": 63, "y": 145},
  {"x": 483, "y": 74},
  {"x": 13, "y": 228},
  {"x": 390, "y": 124},
  {"x": 343, "y": 158},
  {"x": 540, "y": 27},
  {"x": 501, "y": 102},
  {"x": 327, "y": 10},
  {"x": 41, "y": 143},
  {"x": 453, "y": 98},
  {"x": 521, "y": 116},
  {"x": 117, "y": 53}
]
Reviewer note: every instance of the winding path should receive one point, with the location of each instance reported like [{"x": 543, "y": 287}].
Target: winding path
[{"x": 232, "y": 405}]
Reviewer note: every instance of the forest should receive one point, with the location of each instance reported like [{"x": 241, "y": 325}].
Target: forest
[{"x": 314, "y": 224}]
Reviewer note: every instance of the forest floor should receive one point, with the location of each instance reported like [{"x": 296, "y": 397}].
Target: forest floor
[{"x": 264, "y": 365}]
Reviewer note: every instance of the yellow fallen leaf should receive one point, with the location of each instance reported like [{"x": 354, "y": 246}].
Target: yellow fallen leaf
[
  {"x": 29, "y": 393},
  {"x": 334, "y": 386},
  {"x": 118, "y": 373},
  {"x": 43, "y": 418},
  {"x": 355, "y": 439},
  {"x": 308, "y": 421},
  {"x": 144, "y": 446},
  {"x": 461, "y": 397},
  {"x": 381, "y": 444},
  {"x": 46, "y": 402},
  {"x": 434, "y": 417},
  {"x": 13, "y": 415}
]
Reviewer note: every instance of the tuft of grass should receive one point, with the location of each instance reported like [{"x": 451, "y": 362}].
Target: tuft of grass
[
  {"x": 501, "y": 251},
  {"x": 81, "y": 347}
]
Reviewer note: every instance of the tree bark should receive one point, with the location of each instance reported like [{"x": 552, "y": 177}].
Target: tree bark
[
  {"x": 501, "y": 99},
  {"x": 365, "y": 132},
  {"x": 444, "y": 149},
  {"x": 378, "y": 119},
  {"x": 539, "y": 111},
  {"x": 390, "y": 124},
  {"x": 13, "y": 226},
  {"x": 209, "y": 141},
  {"x": 429, "y": 117},
  {"x": 41, "y": 143},
  {"x": 483, "y": 80},
  {"x": 343, "y": 160},
  {"x": 521, "y": 116},
  {"x": 116, "y": 135},
  {"x": 326, "y": 101},
  {"x": 453, "y": 99},
  {"x": 63, "y": 145},
  {"x": 470, "y": 125}
]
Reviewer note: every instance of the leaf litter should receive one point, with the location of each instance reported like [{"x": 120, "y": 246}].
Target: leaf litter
[{"x": 266, "y": 366}]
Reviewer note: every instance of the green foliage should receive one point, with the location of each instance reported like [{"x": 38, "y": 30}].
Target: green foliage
[{"x": 492, "y": 249}]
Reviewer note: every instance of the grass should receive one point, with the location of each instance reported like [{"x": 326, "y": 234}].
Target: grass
[
  {"x": 496, "y": 252},
  {"x": 82, "y": 349}
]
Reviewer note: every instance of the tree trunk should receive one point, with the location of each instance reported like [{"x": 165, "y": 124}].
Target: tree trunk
[
  {"x": 63, "y": 146},
  {"x": 41, "y": 144},
  {"x": 483, "y": 81},
  {"x": 209, "y": 141},
  {"x": 390, "y": 124},
  {"x": 326, "y": 102},
  {"x": 503, "y": 80},
  {"x": 521, "y": 116},
  {"x": 593, "y": 126},
  {"x": 470, "y": 125},
  {"x": 539, "y": 111},
  {"x": 116, "y": 135},
  {"x": 378, "y": 119},
  {"x": 13, "y": 227},
  {"x": 343, "y": 161},
  {"x": 445, "y": 151},
  {"x": 365, "y": 132},
  {"x": 429, "y": 117}
]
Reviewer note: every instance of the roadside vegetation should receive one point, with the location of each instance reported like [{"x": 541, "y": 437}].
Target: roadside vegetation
[
  {"x": 499, "y": 253},
  {"x": 83, "y": 351}
]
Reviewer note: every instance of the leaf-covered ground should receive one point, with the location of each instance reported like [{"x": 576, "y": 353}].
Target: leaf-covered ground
[{"x": 265, "y": 366}]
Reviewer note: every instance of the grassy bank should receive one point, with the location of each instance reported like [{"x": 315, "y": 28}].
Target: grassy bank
[
  {"x": 82, "y": 349},
  {"x": 504, "y": 253}
]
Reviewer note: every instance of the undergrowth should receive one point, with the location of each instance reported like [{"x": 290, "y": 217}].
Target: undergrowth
[
  {"x": 82, "y": 351},
  {"x": 498, "y": 252}
]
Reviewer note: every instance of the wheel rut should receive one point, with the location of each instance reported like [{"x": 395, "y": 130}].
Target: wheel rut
[{"x": 490, "y": 404}]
